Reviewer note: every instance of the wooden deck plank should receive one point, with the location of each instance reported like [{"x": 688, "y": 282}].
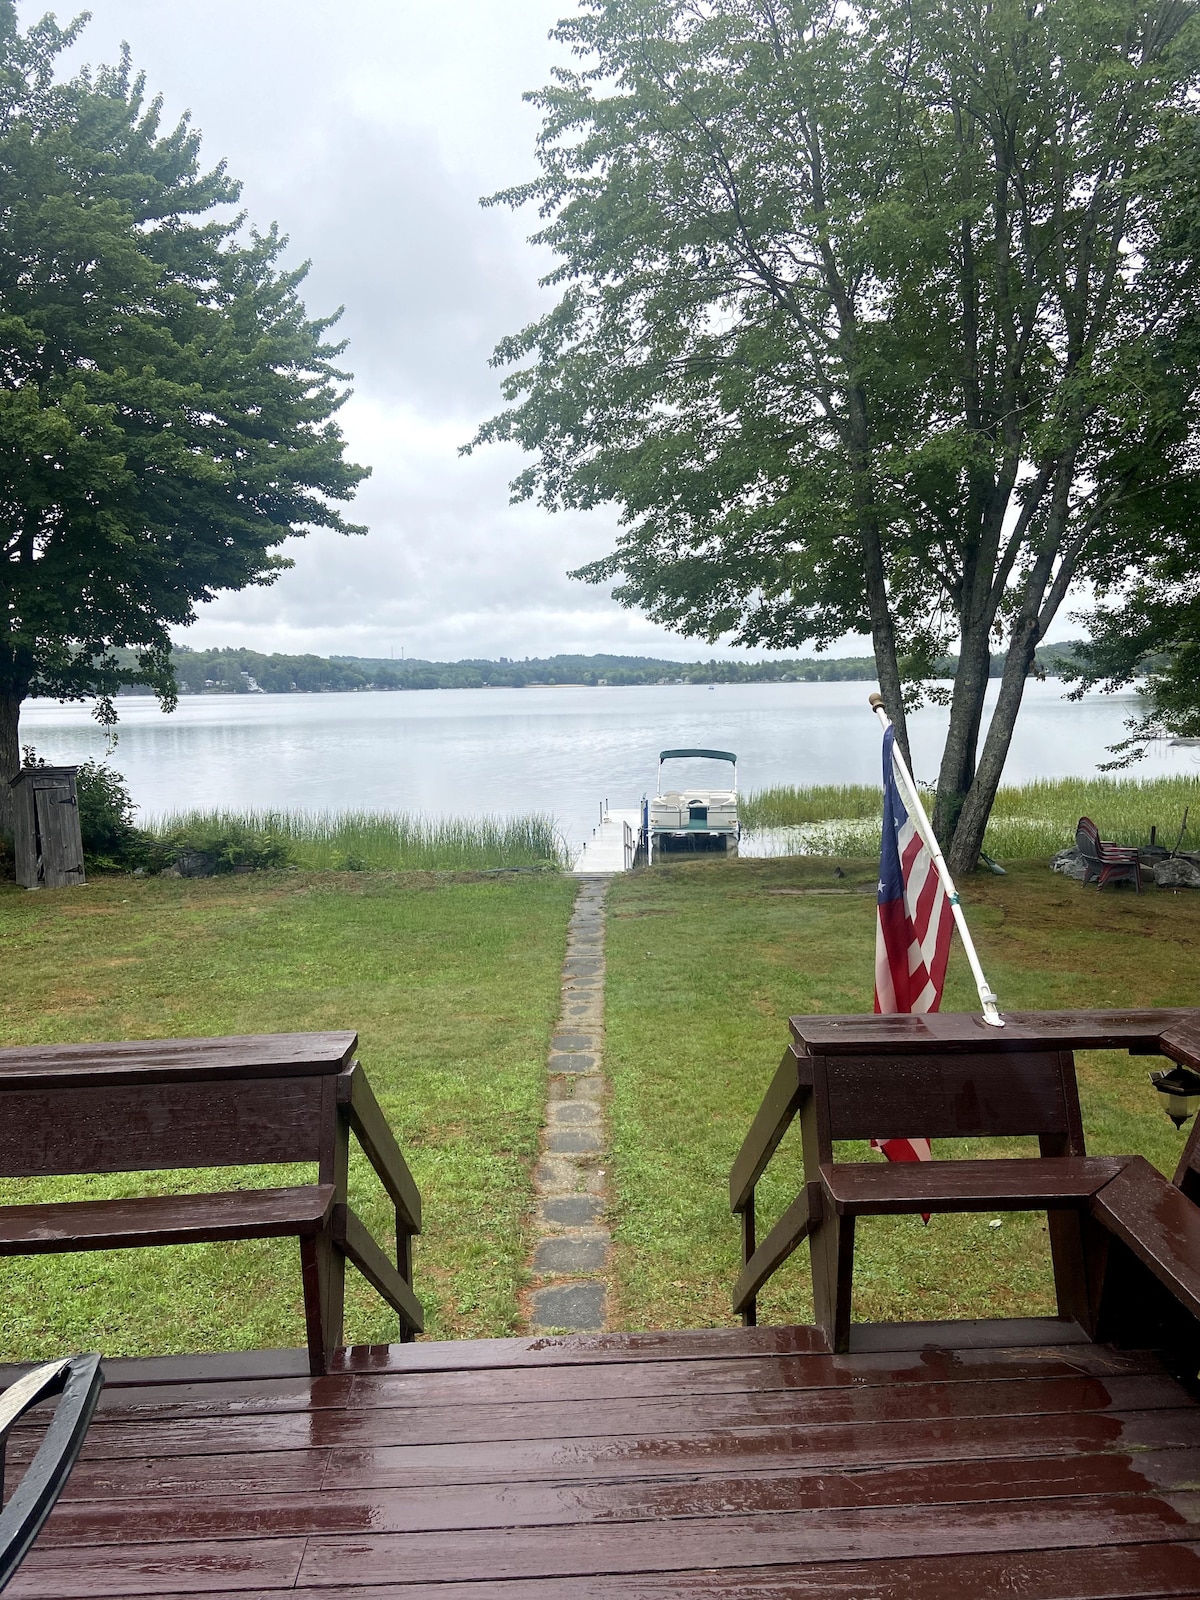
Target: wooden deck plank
[
  {"x": 732, "y": 1451},
  {"x": 654, "y": 1417},
  {"x": 619, "y": 1381},
  {"x": 485, "y": 1355},
  {"x": 1139, "y": 1572},
  {"x": 118, "y": 1519},
  {"x": 222, "y": 1567},
  {"x": 829, "y": 1540},
  {"x": 747, "y": 1449},
  {"x": 829, "y": 1536}
]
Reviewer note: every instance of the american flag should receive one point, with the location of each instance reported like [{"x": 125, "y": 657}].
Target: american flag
[{"x": 915, "y": 923}]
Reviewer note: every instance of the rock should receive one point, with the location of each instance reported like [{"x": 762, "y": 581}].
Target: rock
[
  {"x": 1070, "y": 863},
  {"x": 1178, "y": 873},
  {"x": 196, "y": 864}
]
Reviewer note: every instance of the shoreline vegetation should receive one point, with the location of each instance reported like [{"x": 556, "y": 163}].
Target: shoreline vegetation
[
  {"x": 1029, "y": 820},
  {"x": 367, "y": 841},
  {"x": 237, "y": 671}
]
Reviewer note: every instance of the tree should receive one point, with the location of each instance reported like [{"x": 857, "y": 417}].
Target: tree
[
  {"x": 166, "y": 406},
  {"x": 1146, "y": 622},
  {"x": 864, "y": 324}
]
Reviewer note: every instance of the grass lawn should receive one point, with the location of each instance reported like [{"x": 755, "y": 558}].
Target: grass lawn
[
  {"x": 706, "y": 961},
  {"x": 452, "y": 984}
]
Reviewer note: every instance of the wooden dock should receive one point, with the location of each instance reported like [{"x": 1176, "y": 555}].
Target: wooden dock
[
  {"x": 613, "y": 844},
  {"x": 966, "y": 1459}
]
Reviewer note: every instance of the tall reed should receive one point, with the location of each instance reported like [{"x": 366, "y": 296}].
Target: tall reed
[
  {"x": 380, "y": 841},
  {"x": 1028, "y": 819}
]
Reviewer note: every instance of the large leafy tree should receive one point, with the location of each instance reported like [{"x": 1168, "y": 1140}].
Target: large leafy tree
[
  {"x": 865, "y": 324},
  {"x": 167, "y": 408}
]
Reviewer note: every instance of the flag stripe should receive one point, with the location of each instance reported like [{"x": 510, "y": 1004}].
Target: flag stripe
[{"x": 914, "y": 927}]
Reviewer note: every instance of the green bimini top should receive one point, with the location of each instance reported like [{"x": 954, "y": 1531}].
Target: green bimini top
[{"x": 712, "y": 755}]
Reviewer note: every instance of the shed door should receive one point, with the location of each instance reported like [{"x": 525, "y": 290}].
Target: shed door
[{"x": 61, "y": 845}]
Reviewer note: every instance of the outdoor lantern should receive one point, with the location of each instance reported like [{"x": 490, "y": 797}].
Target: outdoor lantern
[{"x": 1179, "y": 1091}]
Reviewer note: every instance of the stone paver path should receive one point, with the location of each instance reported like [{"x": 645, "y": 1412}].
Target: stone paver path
[{"x": 571, "y": 1253}]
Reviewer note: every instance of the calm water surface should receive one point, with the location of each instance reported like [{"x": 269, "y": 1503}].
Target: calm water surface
[{"x": 559, "y": 750}]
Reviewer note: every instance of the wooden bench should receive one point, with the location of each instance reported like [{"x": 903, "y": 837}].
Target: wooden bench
[
  {"x": 1148, "y": 1254},
  {"x": 939, "y": 1076},
  {"x": 159, "y": 1105}
]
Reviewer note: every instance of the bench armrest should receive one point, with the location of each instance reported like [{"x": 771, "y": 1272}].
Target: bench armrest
[
  {"x": 1158, "y": 1224},
  {"x": 371, "y": 1129},
  {"x": 792, "y": 1081}
]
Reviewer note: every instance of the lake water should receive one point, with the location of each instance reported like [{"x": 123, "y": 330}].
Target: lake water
[{"x": 559, "y": 750}]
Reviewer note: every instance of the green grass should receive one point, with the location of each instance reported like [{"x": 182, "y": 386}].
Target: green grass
[
  {"x": 1028, "y": 820},
  {"x": 452, "y": 984},
  {"x": 360, "y": 841},
  {"x": 707, "y": 960}
]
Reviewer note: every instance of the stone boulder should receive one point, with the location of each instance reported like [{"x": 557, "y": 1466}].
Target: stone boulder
[
  {"x": 1070, "y": 863},
  {"x": 196, "y": 864},
  {"x": 1181, "y": 872}
]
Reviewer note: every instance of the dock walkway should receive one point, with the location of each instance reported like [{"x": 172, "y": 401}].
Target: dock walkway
[
  {"x": 612, "y": 845},
  {"x": 932, "y": 1460}
]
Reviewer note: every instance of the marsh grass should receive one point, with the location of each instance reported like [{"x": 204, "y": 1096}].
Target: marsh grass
[
  {"x": 362, "y": 841},
  {"x": 1028, "y": 819}
]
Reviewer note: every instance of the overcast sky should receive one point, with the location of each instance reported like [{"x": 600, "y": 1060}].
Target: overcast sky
[{"x": 369, "y": 129}]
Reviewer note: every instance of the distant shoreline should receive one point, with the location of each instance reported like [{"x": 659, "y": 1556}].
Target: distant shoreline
[{"x": 241, "y": 671}]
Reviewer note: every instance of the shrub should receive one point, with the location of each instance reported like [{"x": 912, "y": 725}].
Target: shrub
[
  {"x": 200, "y": 846},
  {"x": 111, "y": 839}
]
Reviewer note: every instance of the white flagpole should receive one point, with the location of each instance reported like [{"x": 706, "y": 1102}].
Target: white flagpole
[{"x": 991, "y": 1011}]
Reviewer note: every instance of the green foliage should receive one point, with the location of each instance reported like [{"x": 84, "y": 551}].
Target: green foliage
[
  {"x": 167, "y": 414},
  {"x": 111, "y": 838},
  {"x": 872, "y": 319},
  {"x": 361, "y": 841},
  {"x": 1028, "y": 821},
  {"x": 200, "y": 845}
]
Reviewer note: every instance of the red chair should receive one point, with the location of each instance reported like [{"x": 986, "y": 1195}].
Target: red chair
[{"x": 1106, "y": 863}]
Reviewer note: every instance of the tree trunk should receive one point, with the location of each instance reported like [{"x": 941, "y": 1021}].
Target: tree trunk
[
  {"x": 967, "y": 842},
  {"x": 957, "y": 772},
  {"x": 10, "y": 753}
]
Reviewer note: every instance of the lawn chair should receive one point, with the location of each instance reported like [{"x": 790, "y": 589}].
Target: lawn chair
[
  {"x": 78, "y": 1381},
  {"x": 1106, "y": 863}
]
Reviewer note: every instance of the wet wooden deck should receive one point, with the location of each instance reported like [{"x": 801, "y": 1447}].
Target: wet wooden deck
[{"x": 953, "y": 1460}]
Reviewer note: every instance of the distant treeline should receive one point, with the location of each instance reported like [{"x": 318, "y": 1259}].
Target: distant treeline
[{"x": 248, "y": 671}]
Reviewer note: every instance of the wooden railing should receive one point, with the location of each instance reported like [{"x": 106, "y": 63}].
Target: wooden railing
[{"x": 789, "y": 1089}]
